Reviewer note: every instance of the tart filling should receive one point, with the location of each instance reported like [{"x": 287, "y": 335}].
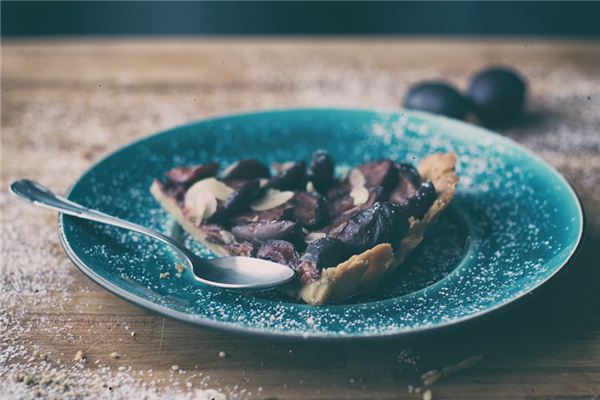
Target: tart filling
[{"x": 342, "y": 235}]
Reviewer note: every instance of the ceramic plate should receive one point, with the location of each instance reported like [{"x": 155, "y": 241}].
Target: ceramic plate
[{"x": 514, "y": 223}]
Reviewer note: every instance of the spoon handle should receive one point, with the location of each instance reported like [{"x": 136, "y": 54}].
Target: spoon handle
[{"x": 41, "y": 196}]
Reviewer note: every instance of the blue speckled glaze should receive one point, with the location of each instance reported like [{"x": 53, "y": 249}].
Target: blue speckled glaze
[{"x": 513, "y": 224}]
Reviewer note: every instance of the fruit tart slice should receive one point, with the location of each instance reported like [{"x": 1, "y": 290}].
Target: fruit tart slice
[{"x": 342, "y": 235}]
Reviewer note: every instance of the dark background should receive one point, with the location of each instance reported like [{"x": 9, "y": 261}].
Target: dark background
[{"x": 48, "y": 18}]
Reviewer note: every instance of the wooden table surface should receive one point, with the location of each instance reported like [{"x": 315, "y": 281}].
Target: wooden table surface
[{"x": 66, "y": 103}]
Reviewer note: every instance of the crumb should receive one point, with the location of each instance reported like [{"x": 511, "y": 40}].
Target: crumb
[
  {"x": 410, "y": 389},
  {"x": 222, "y": 354},
  {"x": 115, "y": 355},
  {"x": 427, "y": 395},
  {"x": 418, "y": 390},
  {"x": 430, "y": 377},
  {"x": 180, "y": 268},
  {"x": 165, "y": 275},
  {"x": 126, "y": 327},
  {"x": 132, "y": 333},
  {"x": 79, "y": 356},
  {"x": 174, "y": 367}
]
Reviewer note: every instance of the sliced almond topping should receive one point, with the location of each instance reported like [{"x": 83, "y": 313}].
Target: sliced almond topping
[
  {"x": 220, "y": 190},
  {"x": 273, "y": 198},
  {"x": 359, "y": 192},
  {"x": 200, "y": 201},
  {"x": 311, "y": 237}
]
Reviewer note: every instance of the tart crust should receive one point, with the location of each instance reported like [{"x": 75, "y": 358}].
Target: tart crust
[{"x": 362, "y": 272}]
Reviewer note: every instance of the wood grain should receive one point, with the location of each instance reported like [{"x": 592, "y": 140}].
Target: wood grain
[{"x": 66, "y": 103}]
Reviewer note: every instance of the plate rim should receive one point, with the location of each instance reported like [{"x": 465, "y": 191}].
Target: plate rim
[{"x": 316, "y": 336}]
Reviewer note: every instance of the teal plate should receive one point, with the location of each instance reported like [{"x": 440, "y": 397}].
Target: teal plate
[{"x": 514, "y": 223}]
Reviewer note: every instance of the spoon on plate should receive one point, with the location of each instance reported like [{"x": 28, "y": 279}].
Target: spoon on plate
[{"x": 244, "y": 273}]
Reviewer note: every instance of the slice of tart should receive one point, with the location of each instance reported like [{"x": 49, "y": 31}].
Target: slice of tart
[{"x": 342, "y": 235}]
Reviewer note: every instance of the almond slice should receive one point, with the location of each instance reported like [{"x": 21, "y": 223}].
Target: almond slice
[
  {"x": 273, "y": 198},
  {"x": 359, "y": 192},
  {"x": 311, "y": 237},
  {"x": 201, "y": 198},
  {"x": 199, "y": 204},
  {"x": 220, "y": 190}
]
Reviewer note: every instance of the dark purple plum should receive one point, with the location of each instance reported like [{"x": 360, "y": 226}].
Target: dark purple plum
[
  {"x": 310, "y": 209},
  {"x": 279, "y": 251},
  {"x": 498, "y": 96},
  {"x": 325, "y": 252},
  {"x": 247, "y": 169},
  {"x": 423, "y": 199},
  {"x": 259, "y": 231},
  {"x": 322, "y": 253},
  {"x": 408, "y": 182},
  {"x": 380, "y": 173},
  {"x": 238, "y": 201},
  {"x": 289, "y": 179},
  {"x": 191, "y": 174},
  {"x": 385, "y": 222},
  {"x": 320, "y": 171},
  {"x": 438, "y": 98}
]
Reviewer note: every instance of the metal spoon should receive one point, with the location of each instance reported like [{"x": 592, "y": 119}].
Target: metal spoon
[{"x": 228, "y": 272}]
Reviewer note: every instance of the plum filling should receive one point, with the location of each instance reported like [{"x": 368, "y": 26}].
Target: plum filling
[{"x": 302, "y": 216}]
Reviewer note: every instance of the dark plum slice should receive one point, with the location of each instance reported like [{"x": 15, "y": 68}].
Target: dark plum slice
[
  {"x": 247, "y": 169},
  {"x": 259, "y": 231},
  {"x": 291, "y": 178},
  {"x": 409, "y": 172},
  {"x": 339, "y": 189},
  {"x": 341, "y": 205},
  {"x": 279, "y": 251},
  {"x": 310, "y": 209},
  {"x": 238, "y": 201},
  {"x": 498, "y": 95},
  {"x": 437, "y": 98},
  {"x": 320, "y": 171},
  {"x": 322, "y": 253},
  {"x": 380, "y": 173},
  {"x": 191, "y": 174},
  {"x": 422, "y": 200},
  {"x": 339, "y": 221},
  {"x": 385, "y": 222},
  {"x": 408, "y": 182},
  {"x": 282, "y": 212},
  {"x": 325, "y": 252}
]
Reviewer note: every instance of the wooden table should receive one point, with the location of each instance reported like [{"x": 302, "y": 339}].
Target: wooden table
[{"x": 66, "y": 103}]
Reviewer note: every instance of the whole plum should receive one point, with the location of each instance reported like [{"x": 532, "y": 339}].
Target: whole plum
[
  {"x": 437, "y": 98},
  {"x": 498, "y": 95}
]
